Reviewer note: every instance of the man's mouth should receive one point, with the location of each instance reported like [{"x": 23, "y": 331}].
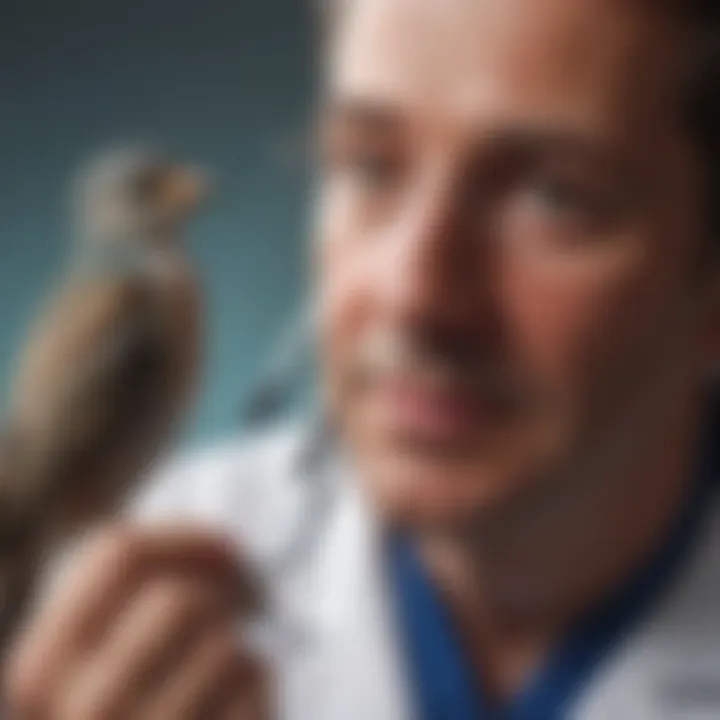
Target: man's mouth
[{"x": 441, "y": 413}]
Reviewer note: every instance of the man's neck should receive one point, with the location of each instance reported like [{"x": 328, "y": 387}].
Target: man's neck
[{"x": 516, "y": 589}]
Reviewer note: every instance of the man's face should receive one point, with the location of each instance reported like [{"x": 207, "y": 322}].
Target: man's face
[{"x": 508, "y": 231}]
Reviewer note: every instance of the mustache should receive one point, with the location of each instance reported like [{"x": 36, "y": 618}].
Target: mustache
[{"x": 444, "y": 359}]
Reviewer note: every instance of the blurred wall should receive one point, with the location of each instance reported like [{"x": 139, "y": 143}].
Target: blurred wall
[{"x": 226, "y": 83}]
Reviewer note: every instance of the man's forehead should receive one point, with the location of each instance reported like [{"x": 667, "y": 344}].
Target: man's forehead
[{"x": 583, "y": 58}]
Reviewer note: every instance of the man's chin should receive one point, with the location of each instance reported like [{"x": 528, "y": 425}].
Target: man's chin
[{"x": 421, "y": 492}]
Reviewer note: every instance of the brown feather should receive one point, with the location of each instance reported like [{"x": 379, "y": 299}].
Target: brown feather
[{"x": 104, "y": 379}]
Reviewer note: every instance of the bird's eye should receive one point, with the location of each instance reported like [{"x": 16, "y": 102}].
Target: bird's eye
[{"x": 147, "y": 184}]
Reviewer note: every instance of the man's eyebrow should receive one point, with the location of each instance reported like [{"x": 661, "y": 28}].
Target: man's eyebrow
[
  {"x": 538, "y": 140},
  {"x": 564, "y": 143},
  {"x": 370, "y": 115}
]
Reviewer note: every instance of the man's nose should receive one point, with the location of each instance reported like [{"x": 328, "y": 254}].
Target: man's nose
[{"x": 436, "y": 266}]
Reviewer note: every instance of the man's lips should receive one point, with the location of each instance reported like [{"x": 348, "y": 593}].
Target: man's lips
[{"x": 438, "y": 413}]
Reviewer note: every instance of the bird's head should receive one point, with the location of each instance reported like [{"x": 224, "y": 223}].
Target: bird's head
[{"x": 136, "y": 196}]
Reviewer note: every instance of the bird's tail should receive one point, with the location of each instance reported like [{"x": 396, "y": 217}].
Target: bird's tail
[
  {"x": 18, "y": 537},
  {"x": 13, "y": 481}
]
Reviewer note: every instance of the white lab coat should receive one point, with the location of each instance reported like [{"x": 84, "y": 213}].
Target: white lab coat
[{"x": 337, "y": 654}]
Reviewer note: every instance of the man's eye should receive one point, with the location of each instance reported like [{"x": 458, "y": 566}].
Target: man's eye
[
  {"x": 561, "y": 197},
  {"x": 559, "y": 210},
  {"x": 372, "y": 171}
]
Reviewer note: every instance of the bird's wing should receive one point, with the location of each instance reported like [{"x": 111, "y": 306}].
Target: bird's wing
[{"x": 93, "y": 397}]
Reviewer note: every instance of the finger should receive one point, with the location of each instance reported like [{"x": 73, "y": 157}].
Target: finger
[
  {"x": 144, "y": 646},
  {"x": 196, "y": 688},
  {"x": 88, "y": 596},
  {"x": 250, "y": 696}
]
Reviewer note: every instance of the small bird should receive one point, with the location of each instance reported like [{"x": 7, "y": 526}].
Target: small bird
[{"x": 108, "y": 369}]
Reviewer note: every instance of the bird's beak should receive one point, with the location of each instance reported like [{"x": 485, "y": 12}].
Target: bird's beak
[{"x": 184, "y": 189}]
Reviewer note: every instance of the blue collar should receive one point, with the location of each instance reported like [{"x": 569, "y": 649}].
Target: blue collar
[{"x": 442, "y": 676}]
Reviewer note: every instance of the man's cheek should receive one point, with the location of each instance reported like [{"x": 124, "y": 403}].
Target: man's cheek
[
  {"x": 563, "y": 320},
  {"x": 345, "y": 307},
  {"x": 342, "y": 300}
]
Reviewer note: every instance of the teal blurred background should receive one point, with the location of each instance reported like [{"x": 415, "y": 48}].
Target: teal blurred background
[{"x": 224, "y": 83}]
